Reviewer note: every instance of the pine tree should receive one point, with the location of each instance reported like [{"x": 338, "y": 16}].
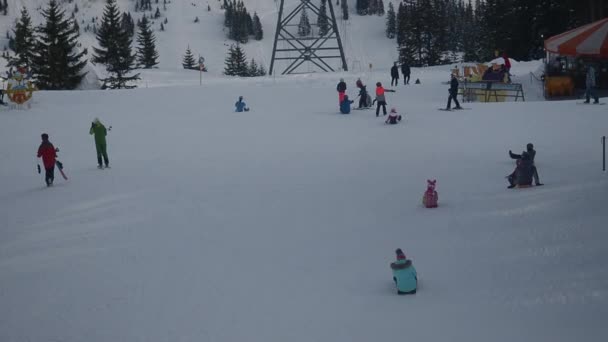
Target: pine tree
[
  {"x": 157, "y": 14},
  {"x": 391, "y": 22},
  {"x": 380, "y": 11},
  {"x": 261, "y": 70},
  {"x": 5, "y": 7},
  {"x": 373, "y": 7},
  {"x": 322, "y": 19},
  {"x": 304, "y": 25},
  {"x": 23, "y": 42},
  {"x": 236, "y": 62},
  {"x": 253, "y": 68},
  {"x": 258, "y": 32},
  {"x": 188, "y": 61},
  {"x": 127, "y": 24},
  {"x": 114, "y": 49},
  {"x": 470, "y": 33},
  {"x": 362, "y": 6},
  {"x": 56, "y": 63},
  {"x": 147, "y": 56},
  {"x": 344, "y": 10}
]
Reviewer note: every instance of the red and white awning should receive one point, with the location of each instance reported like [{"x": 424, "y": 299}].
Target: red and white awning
[{"x": 588, "y": 40}]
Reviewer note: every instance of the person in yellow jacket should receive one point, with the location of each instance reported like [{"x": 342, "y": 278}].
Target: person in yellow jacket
[{"x": 100, "y": 132}]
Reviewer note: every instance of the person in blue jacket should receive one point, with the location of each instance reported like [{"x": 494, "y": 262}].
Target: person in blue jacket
[
  {"x": 404, "y": 274},
  {"x": 345, "y": 105},
  {"x": 241, "y": 105}
]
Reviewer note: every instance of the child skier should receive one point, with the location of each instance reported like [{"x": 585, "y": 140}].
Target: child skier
[
  {"x": 404, "y": 274},
  {"x": 240, "y": 105},
  {"x": 380, "y": 98},
  {"x": 341, "y": 88},
  {"x": 100, "y": 132},
  {"x": 393, "y": 117},
  {"x": 364, "y": 97},
  {"x": 345, "y": 105},
  {"x": 48, "y": 152}
]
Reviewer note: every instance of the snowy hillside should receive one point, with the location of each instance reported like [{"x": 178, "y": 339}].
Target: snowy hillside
[
  {"x": 363, "y": 37},
  {"x": 279, "y": 224}
]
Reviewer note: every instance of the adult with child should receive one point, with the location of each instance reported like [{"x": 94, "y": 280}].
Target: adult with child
[
  {"x": 380, "y": 98},
  {"x": 531, "y": 154},
  {"x": 394, "y": 75},
  {"x": 523, "y": 173}
]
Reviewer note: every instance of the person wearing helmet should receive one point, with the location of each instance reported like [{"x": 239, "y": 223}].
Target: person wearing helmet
[
  {"x": 404, "y": 274},
  {"x": 345, "y": 105},
  {"x": 341, "y": 88},
  {"x": 393, "y": 117},
  {"x": 380, "y": 98},
  {"x": 48, "y": 153},
  {"x": 240, "y": 105},
  {"x": 99, "y": 131},
  {"x": 531, "y": 154}
]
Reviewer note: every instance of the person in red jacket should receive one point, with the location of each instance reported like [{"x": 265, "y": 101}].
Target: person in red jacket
[
  {"x": 507, "y": 65},
  {"x": 48, "y": 153}
]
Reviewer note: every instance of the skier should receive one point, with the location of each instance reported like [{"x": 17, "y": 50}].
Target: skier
[
  {"x": 590, "y": 84},
  {"x": 404, "y": 274},
  {"x": 100, "y": 132},
  {"x": 531, "y": 153},
  {"x": 341, "y": 90},
  {"x": 405, "y": 70},
  {"x": 240, "y": 105},
  {"x": 393, "y": 117},
  {"x": 345, "y": 105},
  {"x": 394, "y": 75},
  {"x": 48, "y": 152},
  {"x": 523, "y": 173},
  {"x": 381, "y": 98},
  {"x": 453, "y": 93}
]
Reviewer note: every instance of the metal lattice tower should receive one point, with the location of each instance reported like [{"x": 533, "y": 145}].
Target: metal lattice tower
[{"x": 314, "y": 49}]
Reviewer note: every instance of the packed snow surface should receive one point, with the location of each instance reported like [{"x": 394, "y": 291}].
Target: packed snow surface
[{"x": 279, "y": 224}]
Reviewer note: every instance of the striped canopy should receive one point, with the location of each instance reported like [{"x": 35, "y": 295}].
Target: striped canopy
[{"x": 589, "y": 40}]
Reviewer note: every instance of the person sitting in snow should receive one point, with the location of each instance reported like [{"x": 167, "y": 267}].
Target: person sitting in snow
[
  {"x": 532, "y": 153},
  {"x": 523, "y": 173},
  {"x": 393, "y": 117},
  {"x": 404, "y": 274},
  {"x": 241, "y": 105},
  {"x": 345, "y": 105}
]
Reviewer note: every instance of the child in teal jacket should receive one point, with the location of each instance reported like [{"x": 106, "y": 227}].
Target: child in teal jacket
[{"x": 404, "y": 274}]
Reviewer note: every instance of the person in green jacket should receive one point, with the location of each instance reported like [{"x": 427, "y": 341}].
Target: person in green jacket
[{"x": 100, "y": 132}]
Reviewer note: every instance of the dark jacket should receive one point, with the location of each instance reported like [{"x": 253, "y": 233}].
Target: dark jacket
[
  {"x": 341, "y": 87},
  {"x": 363, "y": 91},
  {"x": 395, "y": 71},
  {"x": 531, "y": 154},
  {"x": 405, "y": 69},
  {"x": 454, "y": 86},
  {"x": 524, "y": 171}
]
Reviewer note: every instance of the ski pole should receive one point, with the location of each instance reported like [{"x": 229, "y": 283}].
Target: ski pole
[{"x": 604, "y": 153}]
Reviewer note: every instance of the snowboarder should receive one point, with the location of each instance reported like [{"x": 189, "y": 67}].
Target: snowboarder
[
  {"x": 48, "y": 152},
  {"x": 453, "y": 93},
  {"x": 523, "y": 174},
  {"x": 240, "y": 105},
  {"x": 394, "y": 75},
  {"x": 345, "y": 105},
  {"x": 393, "y": 117},
  {"x": 405, "y": 70},
  {"x": 381, "y": 98},
  {"x": 404, "y": 274},
  {"x": 532, "y": 153},
  {"x": 100, "y": 132},
  {"x": 341, "y": 88},
  {"x": 590, "y": 84}
]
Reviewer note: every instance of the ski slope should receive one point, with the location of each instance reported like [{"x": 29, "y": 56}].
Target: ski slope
[{"x": 279, "y": 224}]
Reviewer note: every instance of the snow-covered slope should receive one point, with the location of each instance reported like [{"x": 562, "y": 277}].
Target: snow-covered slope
[
  {"x": 279, "y": 224},
  {"x": 363, "y": 37}
]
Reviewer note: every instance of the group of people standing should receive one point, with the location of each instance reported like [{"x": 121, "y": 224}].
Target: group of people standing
[
  {"x": 364, "y": 101},
  {"x": 405, "y": 70}
]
